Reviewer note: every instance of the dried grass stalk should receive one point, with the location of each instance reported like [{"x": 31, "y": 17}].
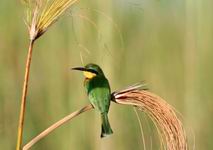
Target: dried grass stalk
[
  {"x": 41, "y": 15},
  {"x": 56, "y": 125},
  {"x": 159, "y": 111}
]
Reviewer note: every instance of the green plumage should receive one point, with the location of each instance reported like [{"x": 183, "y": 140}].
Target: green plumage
[{"x": 99, "y": 94}]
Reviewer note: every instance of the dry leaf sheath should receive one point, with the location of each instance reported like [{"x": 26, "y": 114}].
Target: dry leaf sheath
[
  {"x": 155, "y": 107},
  {"x": 41, "y": 15}
]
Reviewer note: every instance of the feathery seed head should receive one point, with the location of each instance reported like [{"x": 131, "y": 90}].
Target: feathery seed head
[{"x": 43, "y": 13}]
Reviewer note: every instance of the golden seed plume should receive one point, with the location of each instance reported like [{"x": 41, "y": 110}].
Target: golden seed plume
[
  {"x": 43, "y": 13},
  {"x": 160, "y": 112}
]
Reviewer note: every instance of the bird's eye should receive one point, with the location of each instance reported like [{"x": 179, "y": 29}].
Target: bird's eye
[{"x": 92, "y": 71}]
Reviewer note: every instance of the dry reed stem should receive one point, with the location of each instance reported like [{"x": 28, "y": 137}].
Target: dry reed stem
[
  {"x": 160, "y": 112},
  {"x": 23, "y": 99},
  {"x": 56, "y": 125},
  {"x": 38, "y": 24}
]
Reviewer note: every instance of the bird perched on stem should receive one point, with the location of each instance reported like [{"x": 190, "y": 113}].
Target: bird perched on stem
[{"x": 98, "y": 90}]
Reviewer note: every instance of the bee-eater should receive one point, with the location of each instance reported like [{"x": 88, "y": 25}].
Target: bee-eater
[{"x": 99, "y": 94}]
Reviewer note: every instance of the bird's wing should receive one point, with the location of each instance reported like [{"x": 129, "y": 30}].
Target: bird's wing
[{"x": 100, "y": 95}]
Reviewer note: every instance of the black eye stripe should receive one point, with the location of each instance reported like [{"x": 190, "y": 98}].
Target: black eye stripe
[{"x": 92, "y": 71}]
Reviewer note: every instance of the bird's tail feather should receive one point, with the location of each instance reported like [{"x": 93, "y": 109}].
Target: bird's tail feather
[{"x": 105, "y": 127}]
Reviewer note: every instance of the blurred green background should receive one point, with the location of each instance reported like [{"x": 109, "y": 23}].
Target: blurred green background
[{"x": 167, "y": 43}]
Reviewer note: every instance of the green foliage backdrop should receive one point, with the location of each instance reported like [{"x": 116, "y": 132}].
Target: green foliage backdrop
[{"x": 167, "y": 43}]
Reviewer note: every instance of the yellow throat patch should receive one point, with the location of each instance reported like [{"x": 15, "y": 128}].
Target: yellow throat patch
[{"x": 89, "y": 75}]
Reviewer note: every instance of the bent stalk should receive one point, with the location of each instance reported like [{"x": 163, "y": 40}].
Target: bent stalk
[{"x": 55, "y": 126}]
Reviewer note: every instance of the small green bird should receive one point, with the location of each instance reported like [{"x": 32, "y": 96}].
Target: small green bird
[{"x": 98, "y": 90}]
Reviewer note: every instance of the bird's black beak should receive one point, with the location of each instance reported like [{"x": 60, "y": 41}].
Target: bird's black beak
[
  {"x": 84, "y": 69},
  {"x": 79, "y": 68}
]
